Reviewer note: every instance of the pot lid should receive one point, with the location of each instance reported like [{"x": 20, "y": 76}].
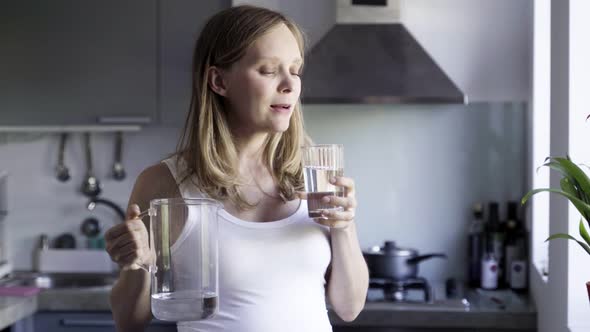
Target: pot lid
[{"x": 390, "y": 249}]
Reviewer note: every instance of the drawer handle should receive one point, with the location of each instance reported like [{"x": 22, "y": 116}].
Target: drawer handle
[
  {"x": 104, "y": 322},
  {"x": 87, "y": 322},
  {"x": 124, "y": 120}
]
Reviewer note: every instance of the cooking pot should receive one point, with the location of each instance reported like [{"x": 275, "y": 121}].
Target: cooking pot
[{"x": 395, "y": 263}]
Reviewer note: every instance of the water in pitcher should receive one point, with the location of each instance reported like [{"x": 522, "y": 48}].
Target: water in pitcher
[
  {"x": 184, "y": 305},
  {"x": 317, "y": 185}
]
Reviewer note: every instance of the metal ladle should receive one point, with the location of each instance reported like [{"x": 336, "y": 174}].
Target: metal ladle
[
  {"x": 118, "y": 170},
  {"x": 91, "y": 185},
  {"x": 62, "y": 172}
]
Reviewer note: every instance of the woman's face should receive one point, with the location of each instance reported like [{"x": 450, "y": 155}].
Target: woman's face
[{"x": 263, "y": 87}]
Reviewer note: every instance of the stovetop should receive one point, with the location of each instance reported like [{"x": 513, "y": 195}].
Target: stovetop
[
  {"x": 408, "y": 290},
  {"x": 416, "y": 292}
]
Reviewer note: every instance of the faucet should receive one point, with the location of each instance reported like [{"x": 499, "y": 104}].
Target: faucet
[{"x": 95, "y": 200}]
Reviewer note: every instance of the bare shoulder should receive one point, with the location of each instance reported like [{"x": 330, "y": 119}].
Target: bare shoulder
[
  {"x": 155, "y": 181},
  {"x": 159, "y": 173}
]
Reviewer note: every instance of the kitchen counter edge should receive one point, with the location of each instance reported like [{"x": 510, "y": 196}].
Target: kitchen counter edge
[{"x": 13, "y": 309}]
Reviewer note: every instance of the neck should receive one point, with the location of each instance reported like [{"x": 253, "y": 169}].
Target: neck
[
  {"x": 252, "y": 167},
  {"x": 250, "y": 150}
]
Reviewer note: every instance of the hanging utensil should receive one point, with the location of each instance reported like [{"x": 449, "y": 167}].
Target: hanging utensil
[
  {"x": 118, "y": 170},
  {"x": 91, "y": 185},
  {"x": 61, "y": 171},
  {"x": 90, "y": 227}
]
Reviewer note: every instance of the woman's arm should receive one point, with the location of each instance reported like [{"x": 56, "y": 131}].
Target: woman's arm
[
  {"x": 130, "y": 296},
  {"x": 130, "y": 301},
  {"x": 349, "y": 276}
]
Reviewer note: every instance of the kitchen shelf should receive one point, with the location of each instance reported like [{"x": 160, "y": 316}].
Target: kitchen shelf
[{"x": 68, "y": 128}]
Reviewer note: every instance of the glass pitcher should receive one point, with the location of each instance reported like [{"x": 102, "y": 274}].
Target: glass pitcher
[{"x": 184, "y": 269}]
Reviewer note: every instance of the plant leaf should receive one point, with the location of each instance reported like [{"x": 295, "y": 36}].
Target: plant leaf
[
  {"x": 581, "y": 179},
  {"x": 569, "y": 237},
  {"x": 571, "y": 197},
  {"x": 583, "y": 232},
  {"x": 567, "y": 186},
  {"x": 555, "y": 164},
  {"x": 579, "y": 182}
]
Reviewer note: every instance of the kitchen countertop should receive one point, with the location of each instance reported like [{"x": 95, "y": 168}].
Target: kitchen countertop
[
  {"x": 408, "y": 316},
  {"x": 501, "y": 309},
  {"x": 13, "y": 309},
  {"x": 516, "y": 311}
]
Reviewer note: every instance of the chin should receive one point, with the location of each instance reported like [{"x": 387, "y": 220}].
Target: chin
[
  {"x": 279, "y": 127},
  {"x": 277, "y": 130}
]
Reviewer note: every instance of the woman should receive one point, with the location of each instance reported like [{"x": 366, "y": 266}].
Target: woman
[{"x": 241, "y": 146}]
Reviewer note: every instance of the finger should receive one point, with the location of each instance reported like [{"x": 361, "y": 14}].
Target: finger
[
  {"x": 115, "y": 231},
  {"x": 345, "y": 202},
  {"x": 127, "y": 249},
  {"x": 136, "y": 258},
  {"x": 342, "y": 181},
  {"x": 118, "y": 230},
  {"x": 133, "y": 211},
  {"x": 338, "y": 215},
  {"x": 123, "y": 228},
  {"x": 116, "y": 244}
]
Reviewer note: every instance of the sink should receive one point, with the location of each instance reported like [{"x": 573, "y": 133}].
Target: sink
[{"x": 58, "y": 280}]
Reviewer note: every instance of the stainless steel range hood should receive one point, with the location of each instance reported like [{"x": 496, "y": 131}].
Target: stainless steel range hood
[{"x": 372, "y": 63}]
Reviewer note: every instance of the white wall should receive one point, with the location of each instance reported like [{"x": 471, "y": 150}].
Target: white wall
[
  {"x": 38, "y": 203},
  {"x": 562, "y": 300},
  {"x": 548, "y": 319},
  {"x": 549, "y": 295},
  {"x": 482, "y": 45},
  {"x": 418, "y": 170},
  {"x": 579, "y": 136}
]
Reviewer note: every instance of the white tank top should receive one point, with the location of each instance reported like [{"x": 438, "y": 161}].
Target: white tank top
[{"x": 271, "y": 274}]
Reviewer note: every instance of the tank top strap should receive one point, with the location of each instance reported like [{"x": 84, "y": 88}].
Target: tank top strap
[{"x": 179, "y": 170}]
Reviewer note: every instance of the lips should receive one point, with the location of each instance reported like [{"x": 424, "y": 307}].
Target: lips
[{"x": 281, "y": 107}]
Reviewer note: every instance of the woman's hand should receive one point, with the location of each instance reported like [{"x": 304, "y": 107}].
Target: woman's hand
[
  {"x": 335, "y": 218},
  {"x": 127, "y": 243}
]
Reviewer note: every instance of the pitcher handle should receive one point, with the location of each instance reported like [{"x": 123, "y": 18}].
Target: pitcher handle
[
  {"x": 147, "y": 212},
  {"x": 146, "y": 267}
]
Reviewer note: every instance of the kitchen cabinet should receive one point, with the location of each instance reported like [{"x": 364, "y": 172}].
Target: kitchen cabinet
[
  {"x": 430, "y": 329},
  {"x": 77, "y": 62},
  {"x": 86, "y": 321}
]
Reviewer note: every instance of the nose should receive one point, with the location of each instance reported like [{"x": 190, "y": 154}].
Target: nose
[
  {"x": 285, "y": 90},
  {"x": 287, "y": 84}
]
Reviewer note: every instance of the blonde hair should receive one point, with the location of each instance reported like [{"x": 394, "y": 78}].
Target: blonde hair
[{"x": 206, "y": 143}]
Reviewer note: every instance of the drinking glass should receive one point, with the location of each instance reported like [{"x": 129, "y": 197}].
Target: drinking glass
[{"x": 320, "y": 163}]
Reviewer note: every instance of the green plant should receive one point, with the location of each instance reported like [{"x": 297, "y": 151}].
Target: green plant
[{"x": 575, "y": 186}]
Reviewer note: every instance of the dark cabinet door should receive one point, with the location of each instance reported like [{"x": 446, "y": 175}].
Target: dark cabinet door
[
  {"x": 50, "y": 321},
  {"x": 181, "y": 22},
  {"x": 73, "y": 62}
]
